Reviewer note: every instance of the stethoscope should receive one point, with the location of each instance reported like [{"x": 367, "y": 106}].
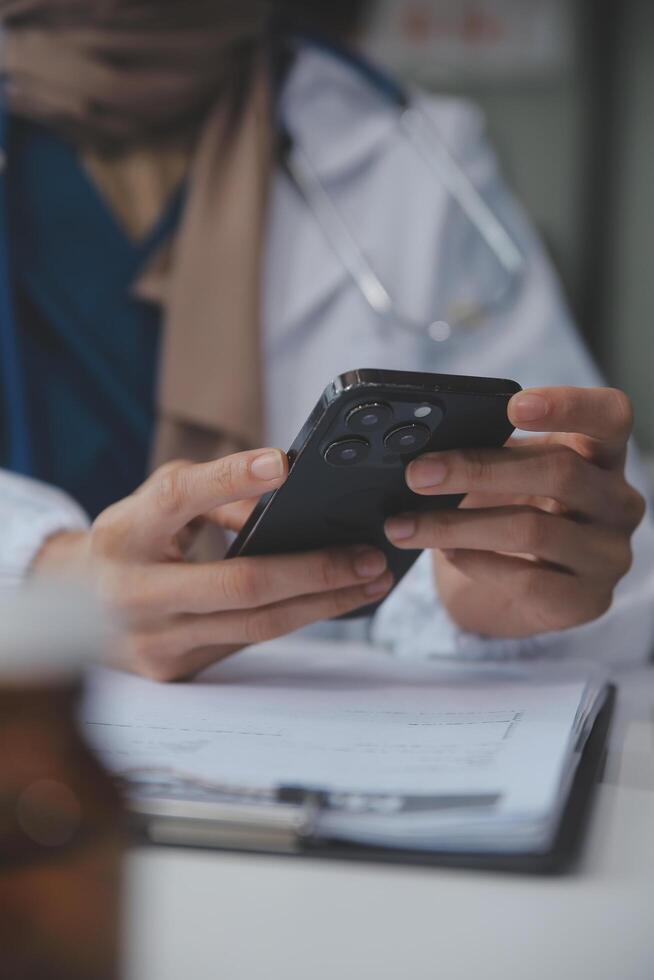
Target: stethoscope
[{"x": 421, "y": 132}]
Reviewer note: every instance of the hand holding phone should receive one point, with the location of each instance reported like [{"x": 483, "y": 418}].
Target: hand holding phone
[{"x": 347, "y": 465}]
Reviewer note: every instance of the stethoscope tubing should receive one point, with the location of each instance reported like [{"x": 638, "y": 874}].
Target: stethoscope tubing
[{"x": 431, "y": 149}]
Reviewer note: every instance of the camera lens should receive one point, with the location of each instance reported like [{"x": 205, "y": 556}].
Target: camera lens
[
  {"x": 347, "y": 452},
  {"x": 369, "y": 418},
  {"x": 409, "y": 438}
]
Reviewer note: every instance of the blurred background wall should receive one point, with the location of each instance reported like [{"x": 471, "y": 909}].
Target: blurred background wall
[{"x": 568, "y": 89}]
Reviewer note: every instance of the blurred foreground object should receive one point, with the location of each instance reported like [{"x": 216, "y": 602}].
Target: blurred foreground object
[{"x": 61, "y": 826}]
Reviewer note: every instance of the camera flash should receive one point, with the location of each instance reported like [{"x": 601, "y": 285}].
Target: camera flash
[{"x": 422, "y": 412}]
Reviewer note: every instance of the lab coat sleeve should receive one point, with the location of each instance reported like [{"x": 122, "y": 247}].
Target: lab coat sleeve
[
  {"x": 30, "y": 513},
  {"x": 535, "y": 342}
]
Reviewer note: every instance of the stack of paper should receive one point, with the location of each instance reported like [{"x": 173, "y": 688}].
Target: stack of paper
[{"x": 408, "y": 755}]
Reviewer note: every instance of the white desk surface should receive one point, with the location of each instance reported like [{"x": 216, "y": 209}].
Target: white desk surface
[{"x": 193, "y": 915}]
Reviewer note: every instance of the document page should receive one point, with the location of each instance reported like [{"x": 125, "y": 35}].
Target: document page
[{"x": 346, "y": 718}]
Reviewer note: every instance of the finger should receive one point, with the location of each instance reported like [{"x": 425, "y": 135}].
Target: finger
[
  {"x": 240, "y": 583},
  {"x": 194, "y": 661},
  {"x": 605, "y": 415},
  {"x": 475, "y": 501},
  {"x": 190, "y": 643},
  {"x": 185, "y": 539},
  {"x": 278, "y": 619},
  {"x": 552, "y": 471},
  {"x": 591, "y": 449},
  {"x": 594, "y": 552},
  {"x": 232, "y": 517},
  {"x": 179, "y": 492},
  {"x": 151, "y": 655},
  {"x": 545, "y": 598}
]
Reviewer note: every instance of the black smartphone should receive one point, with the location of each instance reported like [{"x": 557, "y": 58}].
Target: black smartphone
[{"x": 346, "y": 467}]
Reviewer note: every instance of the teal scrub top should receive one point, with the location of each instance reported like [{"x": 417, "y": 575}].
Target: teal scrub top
[{"x": 88, "y": 347}]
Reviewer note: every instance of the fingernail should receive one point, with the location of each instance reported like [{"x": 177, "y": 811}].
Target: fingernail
[
  {"x": 400, "y": 528},
  {"x": 369, "y": 563},
  {"x": 529, "y": 408},
  {"x": 424, "y": 473},
  {"x": 268, "y": 466},
  {"x": 379, "y": 587}
]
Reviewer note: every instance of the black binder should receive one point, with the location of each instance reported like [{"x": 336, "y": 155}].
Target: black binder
[{"x": 283, "y": 826}]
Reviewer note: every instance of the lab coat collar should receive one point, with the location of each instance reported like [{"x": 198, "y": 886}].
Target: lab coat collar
[
  {"x": 334, "y": 113},
  {"x": 342, "y": 123}
]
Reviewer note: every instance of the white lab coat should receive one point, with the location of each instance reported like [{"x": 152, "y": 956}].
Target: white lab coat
[{"x": 316, "y": 325}]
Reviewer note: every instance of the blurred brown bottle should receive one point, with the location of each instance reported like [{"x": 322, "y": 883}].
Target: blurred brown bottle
[{"x": 62, "y": 831}]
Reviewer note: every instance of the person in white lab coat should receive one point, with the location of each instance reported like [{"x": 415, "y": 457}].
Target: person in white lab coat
[{"x": 545, "y": 555}]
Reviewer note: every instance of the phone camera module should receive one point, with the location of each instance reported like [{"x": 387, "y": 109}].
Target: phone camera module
[
  {"x": 370, "y": 418},
  {"x": 410, "y": 438},
  {"x": 347, "y": 452}
]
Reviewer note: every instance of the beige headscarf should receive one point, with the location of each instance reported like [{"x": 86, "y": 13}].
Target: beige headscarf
[{"x": 114, "y": 74}]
